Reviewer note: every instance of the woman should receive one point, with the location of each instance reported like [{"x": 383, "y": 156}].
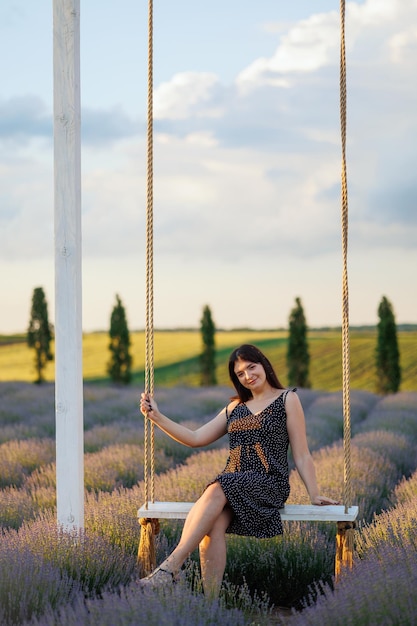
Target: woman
[{"x": 262, "y": 420}]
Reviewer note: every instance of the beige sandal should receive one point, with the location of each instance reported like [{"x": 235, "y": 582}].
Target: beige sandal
[{"x": 158, "y": 578}]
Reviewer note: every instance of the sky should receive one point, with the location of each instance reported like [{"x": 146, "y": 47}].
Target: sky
[{"x": 247, "y": 160}]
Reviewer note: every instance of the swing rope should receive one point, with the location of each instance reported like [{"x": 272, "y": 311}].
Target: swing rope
[
  {"x": 149, "y": 526},
  {"x": 149, "y": 329},
  {"x": 345, "y": 537},
  {"x": 347, "y": 482}
]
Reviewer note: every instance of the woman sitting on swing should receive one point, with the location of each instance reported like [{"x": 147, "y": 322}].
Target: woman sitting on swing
[{"x": 262, "y": 421}]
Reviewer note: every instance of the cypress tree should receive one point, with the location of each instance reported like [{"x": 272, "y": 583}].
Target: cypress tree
[
  {"x": 208, "y": 356},
  {"x": 387, "y": 352},
  {"x": 39, "y": 334},
  {"x": 298, "y": 357},
  {"x": 119, "y": 366}
]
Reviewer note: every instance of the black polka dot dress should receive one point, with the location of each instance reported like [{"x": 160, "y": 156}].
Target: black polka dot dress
[{"x": 256, "y": 477}]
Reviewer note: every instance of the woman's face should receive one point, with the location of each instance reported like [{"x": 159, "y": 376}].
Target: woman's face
[{"x": 250, "y": 375}]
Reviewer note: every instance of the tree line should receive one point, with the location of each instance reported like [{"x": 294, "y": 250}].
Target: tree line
[{"x": 119, "y": 366}]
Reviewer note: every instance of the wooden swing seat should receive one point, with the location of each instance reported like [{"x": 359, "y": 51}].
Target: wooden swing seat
[
  {"x": 346, "y": 524},
  {"x": 291, "y": 512}
]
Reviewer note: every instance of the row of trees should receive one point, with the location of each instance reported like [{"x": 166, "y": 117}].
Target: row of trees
[
  {"x": 119, "y": 367},
  {"x": 298, "y": 356},
  {"x": 387, "y": 353},
  {"x": 40, "y": 336}
]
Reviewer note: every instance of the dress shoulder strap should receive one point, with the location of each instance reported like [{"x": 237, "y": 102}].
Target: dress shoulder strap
[
  {"x": 235, "y": 403},
  {"x": 286, "y": 392}
]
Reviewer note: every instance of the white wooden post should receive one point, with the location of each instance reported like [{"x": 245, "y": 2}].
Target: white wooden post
[{"x": 68, "y": 322}]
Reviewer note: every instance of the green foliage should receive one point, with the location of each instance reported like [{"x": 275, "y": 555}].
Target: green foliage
[
  {"x": 39, "y": 335},
  {"x": 208, "y": 356},
  {"x": 120, "y": 364},
  {"x": 10, "y": 339},
  {"x": 387, "y": 351},
  {"x": 298, "y": 357},
  {"x": 282, "y": 567}
]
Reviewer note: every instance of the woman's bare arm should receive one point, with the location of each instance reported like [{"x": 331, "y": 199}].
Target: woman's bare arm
[
  {"x": 206, "y": 434},
  {"x": 300, "y": 451}
]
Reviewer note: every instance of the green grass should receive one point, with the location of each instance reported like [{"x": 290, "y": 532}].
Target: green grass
[
  {"x": 177, "y": 357},
  {"x": 171, "y": 348},
  {"x": 7, "y": 339}
]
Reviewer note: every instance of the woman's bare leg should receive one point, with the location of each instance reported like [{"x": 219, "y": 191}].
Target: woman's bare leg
[
  {"x": 213, "y": 554},
  {"x": 200, "y": 521}
]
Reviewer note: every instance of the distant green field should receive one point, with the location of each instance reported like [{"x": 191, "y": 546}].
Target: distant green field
[{"x": 176, "y": 357}]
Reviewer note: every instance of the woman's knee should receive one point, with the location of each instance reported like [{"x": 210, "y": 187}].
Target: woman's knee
[{"x": 215, "y": 490}]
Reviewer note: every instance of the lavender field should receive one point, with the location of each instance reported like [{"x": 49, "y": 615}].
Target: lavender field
[{"x": 48, "y": 577}]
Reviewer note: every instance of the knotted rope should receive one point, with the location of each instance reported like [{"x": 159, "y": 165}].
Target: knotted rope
[
  {"x": 346, "y": 531},
  {"x": 149, "y": 526},
  {"x": 149, "y": 330},
  {"x": 347, "y": 483}
]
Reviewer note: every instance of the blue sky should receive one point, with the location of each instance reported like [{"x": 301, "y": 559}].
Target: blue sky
[{"x": 247, "y": 160}]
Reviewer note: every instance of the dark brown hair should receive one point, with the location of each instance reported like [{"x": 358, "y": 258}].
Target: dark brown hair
[{"x": 250, "y": 353}]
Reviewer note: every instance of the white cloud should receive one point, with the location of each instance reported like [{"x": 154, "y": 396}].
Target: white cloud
[
  {"x": 403, "y": 45},
  {"x": 313, "y": 43},
  {"x": 204, "y": 138},
  {"x": 376, "y": 13},
  {"x": 308, "y": 46},
  {"x": 187, "y": 94},
  {"x": 26, "y": 209}
]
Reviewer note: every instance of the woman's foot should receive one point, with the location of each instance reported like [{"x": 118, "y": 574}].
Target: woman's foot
[{"x": 158, "y": 578}]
